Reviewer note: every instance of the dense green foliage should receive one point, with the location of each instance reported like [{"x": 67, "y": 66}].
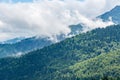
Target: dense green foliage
[
  {"x": 104, "y": 65},
  {"x": 86, "y": 56}
]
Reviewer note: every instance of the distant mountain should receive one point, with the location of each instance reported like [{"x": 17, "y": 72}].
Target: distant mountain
[
  {"x": 24, "y": 46},
  {"x": 94, "y": 55},
  {"x": 76, "y": 29},
  {"x": 113, "y": 15},
  {"x": 12, "y": 41},
  {"x": 21, "y": 46}
]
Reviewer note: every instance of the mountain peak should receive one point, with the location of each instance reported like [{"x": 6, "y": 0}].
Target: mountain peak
[
  {"x": 114, "y": 14},
  {"x": 116, "y": 8}
]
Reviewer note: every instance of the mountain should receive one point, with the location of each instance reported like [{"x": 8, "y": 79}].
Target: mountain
[
  {"x": 87, "y": 56},
  {"x": 95, "y": 68},
  {"x": 24, "y": 46},
  {"x": 76, "y": 29},
  {"x": 13, "y": 41},
  {"x": 19, "y": 46},
  {"x": 113, "y": 14}
]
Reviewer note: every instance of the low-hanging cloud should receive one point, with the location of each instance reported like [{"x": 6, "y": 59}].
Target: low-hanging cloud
[{"x": 49, "y": 17}]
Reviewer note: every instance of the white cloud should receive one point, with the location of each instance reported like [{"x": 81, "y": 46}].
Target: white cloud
[
  {"x": 17, "y": 55},
  {"x": 49, "y": 17}
]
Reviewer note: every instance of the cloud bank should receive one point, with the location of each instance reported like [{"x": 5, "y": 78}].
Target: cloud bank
[{"x": 50, "y": 17}]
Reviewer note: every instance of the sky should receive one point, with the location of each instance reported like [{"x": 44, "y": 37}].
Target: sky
[
  {"x": 16, "y": 1},
  {"x": 26, "y": 18}
]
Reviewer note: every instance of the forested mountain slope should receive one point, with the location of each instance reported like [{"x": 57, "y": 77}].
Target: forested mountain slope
[
  {"x": 49, "y": 62},
  {"x": 12, "y": 48},
  {"x": 104, "y": 66}
]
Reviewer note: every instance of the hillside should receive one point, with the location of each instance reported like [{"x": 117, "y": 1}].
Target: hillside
[
  {"x": 104, "y": 66},
  {"x": 14, "y": 47},
  {"x": 113, "y": 14},
  {"x": 47, "y": 63},
  {"x": 12, "y": 41},
  {"x": 24, "y": 46}
]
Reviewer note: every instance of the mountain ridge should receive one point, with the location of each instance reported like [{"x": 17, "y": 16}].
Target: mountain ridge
[
  {"x": 44, "y": 63},
  {"x": 29, "y": 44},
  {"x": 112, "y": 15}
]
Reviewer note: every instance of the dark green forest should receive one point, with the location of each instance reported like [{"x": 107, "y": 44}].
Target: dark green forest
[{"x": 94, "y": 55}]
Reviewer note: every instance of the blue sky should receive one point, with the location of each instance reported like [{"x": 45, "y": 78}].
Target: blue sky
[
  {"x": 22, "y": 0},
  {"x": 15, "y": 1}
]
